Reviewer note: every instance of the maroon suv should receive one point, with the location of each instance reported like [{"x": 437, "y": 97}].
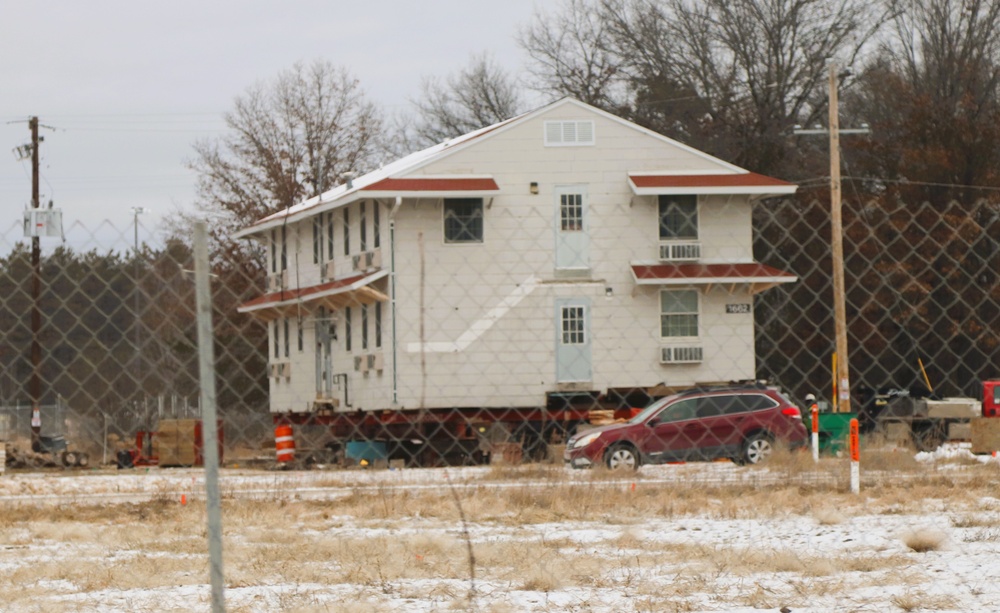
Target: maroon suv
[{"x": 741, "y": 423}]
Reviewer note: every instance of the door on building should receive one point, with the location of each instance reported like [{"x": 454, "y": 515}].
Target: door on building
[
  {"x": 573, "y": 360},
  {"x": 572, "y": 228},
  {"x": 326, "y": 333}
]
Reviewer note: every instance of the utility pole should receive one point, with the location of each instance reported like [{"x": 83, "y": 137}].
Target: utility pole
[
  {"x": 36, "y": 291},
  {"x": 842, "y": 375}
]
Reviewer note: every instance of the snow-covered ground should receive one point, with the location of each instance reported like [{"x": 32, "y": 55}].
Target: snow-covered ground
[{"x": 833, "y": 552}]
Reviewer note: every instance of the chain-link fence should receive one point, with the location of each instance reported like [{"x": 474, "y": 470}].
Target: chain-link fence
[{"x": 400, "y": 335}]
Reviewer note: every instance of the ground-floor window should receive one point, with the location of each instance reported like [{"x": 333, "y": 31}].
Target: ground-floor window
[{"x": 678, "y": 313}]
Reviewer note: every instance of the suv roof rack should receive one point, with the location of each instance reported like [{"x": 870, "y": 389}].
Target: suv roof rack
[{"x": 746, "y": 384}]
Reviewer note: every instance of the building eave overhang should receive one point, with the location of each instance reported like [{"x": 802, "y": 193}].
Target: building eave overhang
[
  {"x": 667, "y": 183},
  {"x": 461, "y": 186},
  {"x": 331, "y": 294},
  {"x": 757, "y": 276}
]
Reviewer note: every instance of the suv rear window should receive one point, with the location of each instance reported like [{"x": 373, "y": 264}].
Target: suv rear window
[{"x": 730, "y": 404}]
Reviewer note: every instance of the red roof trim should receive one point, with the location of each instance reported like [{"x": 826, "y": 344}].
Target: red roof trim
[
  {"x": 302, "y": 293},
  {"x": 750, "y": 179},
  {"x": 433, "y": 185},
  {"x": 751, "y": 270}
]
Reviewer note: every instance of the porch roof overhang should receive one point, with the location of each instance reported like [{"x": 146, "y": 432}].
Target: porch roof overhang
[
  {"x": 757, "y": 276},
  {"x": 665, "y": 183},
  {"x": 332, "y": 295}
]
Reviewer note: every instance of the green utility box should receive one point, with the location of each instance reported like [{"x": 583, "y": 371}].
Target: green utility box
[{"x": 834, "y": 428}]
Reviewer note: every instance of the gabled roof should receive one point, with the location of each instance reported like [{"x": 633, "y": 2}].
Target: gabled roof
[{"x": 393, "y": 180}]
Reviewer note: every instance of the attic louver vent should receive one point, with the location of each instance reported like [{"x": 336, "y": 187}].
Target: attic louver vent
[{"x": 569, "y": 133}]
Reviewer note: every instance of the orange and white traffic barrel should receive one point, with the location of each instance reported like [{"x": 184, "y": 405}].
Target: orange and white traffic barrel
[{"x": 284, "y": 443}]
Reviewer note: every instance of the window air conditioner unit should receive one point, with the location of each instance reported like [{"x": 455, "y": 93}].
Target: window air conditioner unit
[
  {"x": 374, "y": 258},
  {"x": 361, "y": 363},
  {"x": 358, "y": 262},
  {"x": 286, "y": 370},
  {"x": 273, "y": 370},
  {"x": 680, "y": 355},
  {"x": 376, "y": 361},
  {"x": 329, "y": 271},
  {"x": 277, "y": 282},
  {"x": 675, "y": 251}
]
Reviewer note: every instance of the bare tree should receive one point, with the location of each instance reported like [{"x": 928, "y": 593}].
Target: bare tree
[
  {"x": 727, "y": 76},
  {"x": 573, "y": 55},
  {"x": 932, "y": 96},
  {"x": 289, "y": 139},
  {"x": 481, "y": 94}
]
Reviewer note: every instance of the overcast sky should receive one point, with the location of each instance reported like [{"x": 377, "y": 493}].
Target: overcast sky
[{"x": 129, "y": 86}]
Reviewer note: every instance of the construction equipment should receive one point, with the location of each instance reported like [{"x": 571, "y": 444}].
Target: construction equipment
[
  {"x": 51, "y": 451},
  {"x": 917, "y": 416}
]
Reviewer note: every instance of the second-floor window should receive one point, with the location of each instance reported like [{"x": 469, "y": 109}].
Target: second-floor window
[
  {"x": 317, "y": 239},
  {"x": 678, "y": 217},
  {"x": 363, "y": 227},
  {"x": 347, "y": 231},
  {"x": 463, "y": 220}
]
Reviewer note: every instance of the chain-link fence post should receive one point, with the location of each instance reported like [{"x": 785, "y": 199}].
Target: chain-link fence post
[{"x": 206, "y": 363}]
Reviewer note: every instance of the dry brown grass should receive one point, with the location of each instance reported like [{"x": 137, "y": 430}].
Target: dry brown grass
[
  {"x": 412, "y": 548},
  {"x": 925, "y": 539}
]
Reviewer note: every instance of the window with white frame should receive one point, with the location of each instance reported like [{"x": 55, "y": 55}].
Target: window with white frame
[
  {"x": 678, "y": 313},
  {"x": 678, "y": 217},
  {"x": 571, "y": 212},
  {"x": 573, "y": 325},
  {"x": 463, "y": 220}
]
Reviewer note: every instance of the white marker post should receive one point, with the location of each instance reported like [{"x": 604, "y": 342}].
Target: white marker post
[
  {"x": 855, "y": 458},
  {"x": 815, "y": 432}
]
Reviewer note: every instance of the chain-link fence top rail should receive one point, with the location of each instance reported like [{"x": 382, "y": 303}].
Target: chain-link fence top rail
[{"x": 118, "y": 348}]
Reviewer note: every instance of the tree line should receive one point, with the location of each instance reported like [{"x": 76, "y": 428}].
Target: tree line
[{"x": 729, "y": 77}]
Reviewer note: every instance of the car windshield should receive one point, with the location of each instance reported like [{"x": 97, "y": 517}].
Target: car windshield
[{"x": 650, "y": 410}]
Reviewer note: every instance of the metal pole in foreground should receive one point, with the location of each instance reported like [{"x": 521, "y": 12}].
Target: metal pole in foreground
[{"x": 206, "y": 363}]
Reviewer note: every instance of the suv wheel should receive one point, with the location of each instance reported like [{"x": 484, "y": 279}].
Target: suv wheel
[
  {"x": 756, "y": 449},
  {"x": 622, "y": 457}
]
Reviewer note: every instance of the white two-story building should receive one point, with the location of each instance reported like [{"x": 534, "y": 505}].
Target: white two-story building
[{"x": 564, "y": 251}]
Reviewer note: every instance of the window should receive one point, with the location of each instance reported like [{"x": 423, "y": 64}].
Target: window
[
  {"x": 286, "y": 338},
  {"x": 274, "y": 251},
  {"x": 317, "y": 239},
  {"x": 571, "y": 212},
  {"x": 364, "y": 228},
  {"x": 277, "y": 340},
  {"x": 347, "y": 329},
  {"x": 678, "y": 217},
  {"x": 569, "y": 133},
  {"x": 329, "y": 235},
  {"x": 376, "y": 226},
  {"x": 284, "y": 247},
  {"x": 678, "y": 411},
  {"x": 347, "y": 231},
  {"x": 463, "y": 220},
  {"x": 364, "y": 326},
  {"x": 302, "y": 338},
  {"x": 378, "y": 324},
  {"x": 678, "y": 313},
  {"x": 573, "y": 325}
]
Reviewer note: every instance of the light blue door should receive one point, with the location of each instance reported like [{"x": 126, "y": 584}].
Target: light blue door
[
  {"x": 572, "y": 228},
  {"x": 573, "y": 362}
]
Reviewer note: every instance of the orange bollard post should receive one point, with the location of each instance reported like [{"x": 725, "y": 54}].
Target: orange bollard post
[
  {"x": 814, "y": 412},
  {"x": 854, "y": 442}
]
